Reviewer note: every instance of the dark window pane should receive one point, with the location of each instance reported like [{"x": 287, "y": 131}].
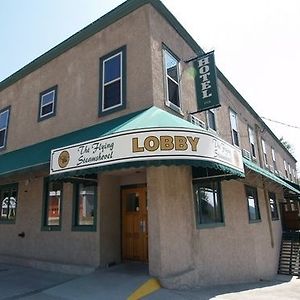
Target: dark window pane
[
  {"x": 211, "y": 120},
  {"x": 252, "y": 200},
  {"x": 2, "y": 137},
  {"x": 112, "y": 68},
  {"x": 112, "y": 94},
  {"x": 253, "y": 150},
  {"x": 208, "y": 203},
  {"x": 47, "y": 109},
  {"x": 86, "y": 205},
  {"x": 4, "y": 119},
  {"x": 235, "y": 138},
  {"x": 172, "y": 72},
  {"x": 173, "y": 92}
]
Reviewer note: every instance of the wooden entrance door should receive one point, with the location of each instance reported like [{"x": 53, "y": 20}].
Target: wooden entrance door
[{"x": 134, "y": 224}]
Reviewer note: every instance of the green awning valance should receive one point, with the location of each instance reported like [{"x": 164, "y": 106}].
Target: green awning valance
[{"x": 254, "y": 167}]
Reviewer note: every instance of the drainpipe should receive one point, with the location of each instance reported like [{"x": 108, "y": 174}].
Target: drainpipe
[{"x": 266, "y": 196}]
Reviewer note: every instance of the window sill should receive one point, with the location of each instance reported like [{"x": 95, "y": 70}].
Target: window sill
[
  {"x": 84, "y": 228},
  {"x": 51, "y": 228},
  {"x": 7, "y": 222},
  {"x": 174, "y": 107},
  {"x": 277, "y": 219},
  {"x": 210, "y": 225},
  {"x": 254, "y": 221}
]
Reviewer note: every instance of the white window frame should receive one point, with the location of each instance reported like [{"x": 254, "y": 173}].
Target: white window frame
[
  {"x": 166, "y": 77},
  {"x": 51, "y": 102},
  {"x": 112, "y": 81},
  {"x": 285, "y": 169},
  {"x": 264, "y": 148},
  {"x": 252, "y": 141},
  {"x": 234, "y": 126},
  {"x": 274, "y": 158},
  {"x": 5, "y": 128}
]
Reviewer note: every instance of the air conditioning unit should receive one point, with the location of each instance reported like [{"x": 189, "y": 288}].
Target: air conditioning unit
[
  {"x": 271, "y": 169},
  {"x": 246, "y": 154},
  {"x": 194, "y": 120}
]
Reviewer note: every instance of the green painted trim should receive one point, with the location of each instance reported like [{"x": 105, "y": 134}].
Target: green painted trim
[
  {"x": 256, "y": 200},
  {"x": 210, "y": 226},
  {"x": 10, "y": 186},
  {"x": 7, "y": 108},
  {"x": 44, "y": 226},
  {"x": 75, "y": 226},
  {"x": 124, "y": 81}
]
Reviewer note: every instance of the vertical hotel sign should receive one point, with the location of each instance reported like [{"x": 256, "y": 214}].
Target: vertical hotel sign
[{"x": 206, "y": 82}]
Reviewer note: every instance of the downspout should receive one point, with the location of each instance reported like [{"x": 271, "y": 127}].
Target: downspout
[{"x": 261, "y": 162}]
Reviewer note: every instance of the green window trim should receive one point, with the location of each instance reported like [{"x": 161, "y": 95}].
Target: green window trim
[
  {"x": 122, "y": 53},
  {"x": 9, "y": 188},
  {"x": 4, "y": 126},
  {"x": 45, "y": 226},
  {"x": 251, "y": 194},
  {"x": 75, "y": 213},
  {"x": 218, "y": 204}
]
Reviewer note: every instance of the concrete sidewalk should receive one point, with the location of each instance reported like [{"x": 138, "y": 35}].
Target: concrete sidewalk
[{"x": 119, "y": 282}]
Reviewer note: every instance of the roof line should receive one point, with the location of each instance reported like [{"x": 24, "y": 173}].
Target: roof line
[{"x": 114, "y": 15}]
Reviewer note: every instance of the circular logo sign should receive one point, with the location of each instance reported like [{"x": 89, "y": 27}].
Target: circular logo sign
[{"x": 63, "y": 159}]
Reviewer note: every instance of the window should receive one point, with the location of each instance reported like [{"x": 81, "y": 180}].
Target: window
[
  {"x": 48, "y": 103},
  {"x": 84, "y": 216},
  {"x": 4, "y": 118},
  {"x": 211, "y": 120},
  {"x": 171, "y": 69},
  {"x": 252, "y": 200},
  {"x": 113, "y": 85},
  {"x": 274, "y": 158},
  {"x": 8, "y": 203},
  {"x": 208, "y": 202},
  {"x": 273, "y": 206},
  {"x": 285, "y": 169},
  {"x": 290, "y": 172},
  {"x": 252, "y": 141},
  {"x": 52, "y": 205},
  {"x": 234, "y": 128},
  {"x": 265, "y": 152}
]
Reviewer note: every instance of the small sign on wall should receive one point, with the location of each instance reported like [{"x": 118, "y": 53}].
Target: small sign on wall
[{"x": 206, "y": 82}]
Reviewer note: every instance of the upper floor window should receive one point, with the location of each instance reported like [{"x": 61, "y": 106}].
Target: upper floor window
[
  {"x": 171, "y": 69},
  {"x": 253, "y": 207},
  {"x": 264, "y": 148},
  {"x": 285, "y": 169},
  {"x": 48, "y": 100},
  {"x": 112, "y": 83},
  {"x": 252, "y": 142},
  {"x": 8, "y": 203},
  {"x": 290, "y": 171},
  {"x": 211, "y": 120},
  {"x": 274, "y": 158},
  {"x": 208, "y": 201},
  {"x": 234, "y": 128},
  {"x": 4, "y": 118}
]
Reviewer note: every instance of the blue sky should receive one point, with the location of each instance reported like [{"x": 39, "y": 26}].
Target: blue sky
[{"x": 256, "y": 43}]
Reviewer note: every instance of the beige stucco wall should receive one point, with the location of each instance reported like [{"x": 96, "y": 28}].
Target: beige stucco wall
[
  {"x": 76, "y": 72},
  {"x": 183, "y": 256},
  {"x": 64, "y": 246}
]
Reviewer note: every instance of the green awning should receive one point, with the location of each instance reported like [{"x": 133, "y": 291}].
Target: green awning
[
  {"x": 38, "y": 155},
  {"x": 254, "y": 167}
]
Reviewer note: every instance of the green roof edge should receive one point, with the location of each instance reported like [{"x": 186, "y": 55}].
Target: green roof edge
[{"x": 109, "y": 18}]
